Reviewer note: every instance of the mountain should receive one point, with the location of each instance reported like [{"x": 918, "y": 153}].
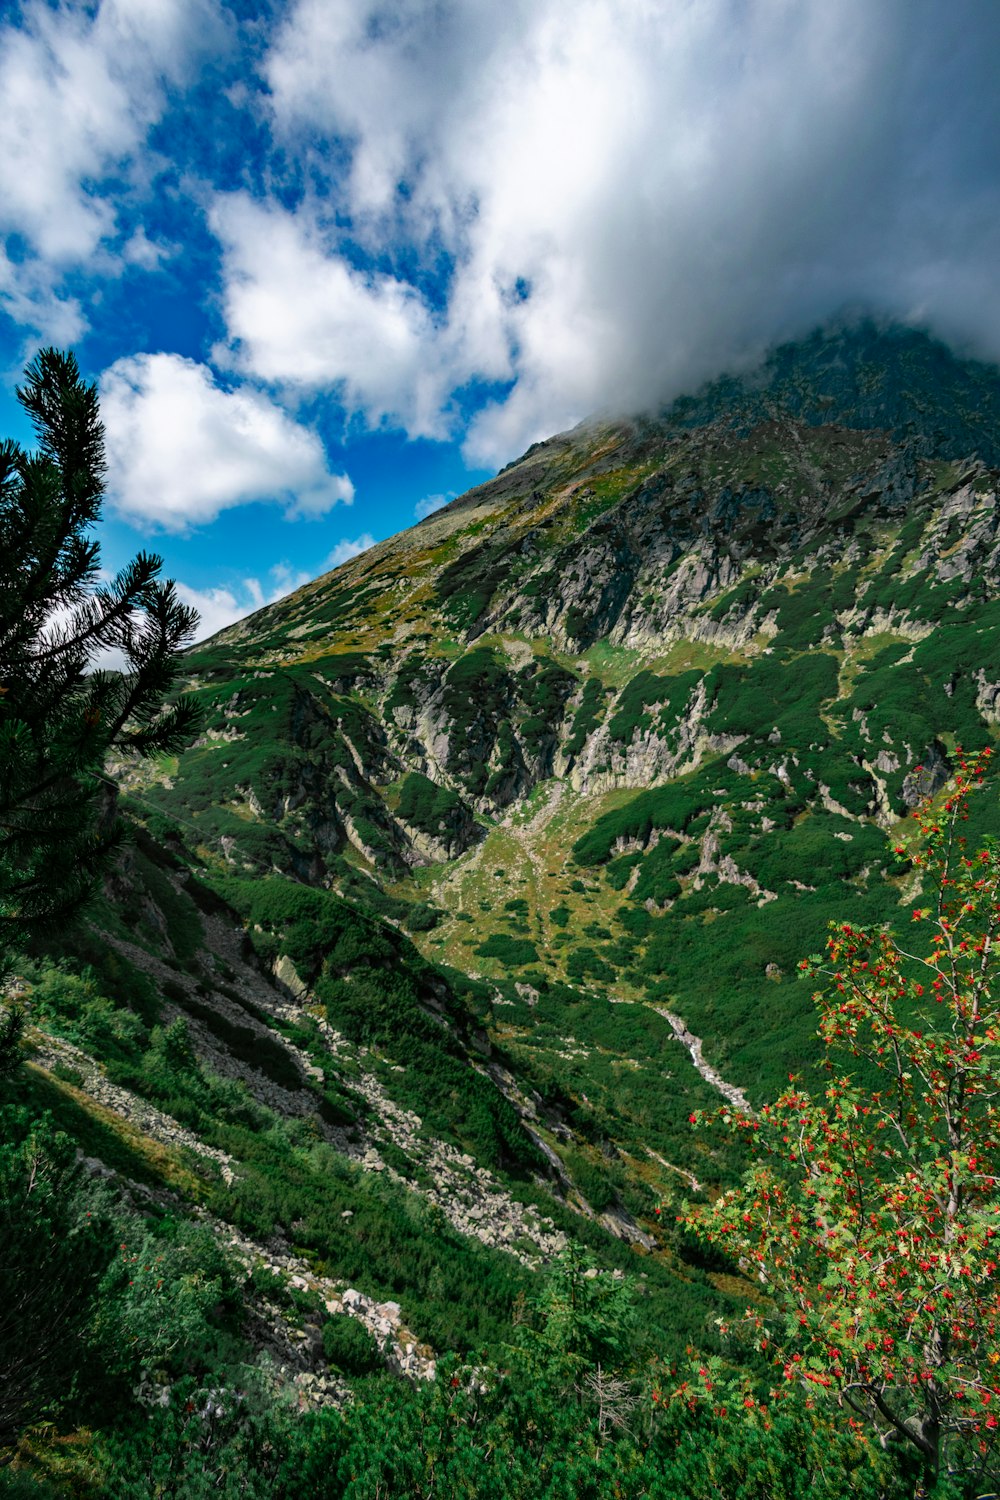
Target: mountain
[
  {"x": 656, "y": 676},
  {"x": 500, "y": 845}
]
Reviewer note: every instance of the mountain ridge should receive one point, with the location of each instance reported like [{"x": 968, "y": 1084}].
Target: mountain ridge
[{"x": 971, "y": 410}]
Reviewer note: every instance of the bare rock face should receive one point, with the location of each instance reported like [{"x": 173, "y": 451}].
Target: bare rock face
[
  {"x": 286, "y": 974},
  {"x": 928, "y": 777},
  {"x": 988, "y": 697},
  {"x": 651, "y": 756}
]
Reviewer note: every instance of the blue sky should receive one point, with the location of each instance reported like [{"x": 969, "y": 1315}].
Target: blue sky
[{"x": 333, "y": 261}]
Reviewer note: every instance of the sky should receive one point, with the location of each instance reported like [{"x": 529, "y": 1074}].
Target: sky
[{"x": 331, "y": 262}]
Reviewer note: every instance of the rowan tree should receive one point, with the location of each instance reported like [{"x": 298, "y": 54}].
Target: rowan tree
[
  {"x": 870, "y": 1217},
  {"x": 60, "y": 713}
]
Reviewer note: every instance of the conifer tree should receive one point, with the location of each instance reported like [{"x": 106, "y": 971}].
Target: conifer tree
[
  {"x": 61, "y": 714},
  {"x": 61, "y": 711}
]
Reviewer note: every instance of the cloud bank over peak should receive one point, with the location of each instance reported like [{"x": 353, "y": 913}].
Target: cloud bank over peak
[
  {"x": 579, "y": 204},
  {"x": 296, "y": 242}
]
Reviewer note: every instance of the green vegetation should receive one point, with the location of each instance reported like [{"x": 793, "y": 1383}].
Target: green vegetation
[
  {"x": 736, "y": 600},
  {"x": 467, "y": 585},
  {"x": 350, "y": 1348},
  {"x": 476, "y": 696},
  {"x": 587, "y": 716},
  {"x": 778, "y": 691},
  {"x": 425, "y": 805},
  {"x": 929, "y": 1061},
  {"x": 378, "y": 990},
  {"x": 570, "y": 1406},
  {"x": 512, "y": 951},
  {"x": 645, "y": 689},
  {"x": 673, "y": 806}
]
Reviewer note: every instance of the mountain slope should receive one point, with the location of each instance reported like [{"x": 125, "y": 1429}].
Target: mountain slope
[
  {"x": 500, "y": 844},
  {"x": 758, "y": 621}
]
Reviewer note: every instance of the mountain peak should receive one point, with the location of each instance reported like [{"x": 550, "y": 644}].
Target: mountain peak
[{"x": 866, "y": 375}]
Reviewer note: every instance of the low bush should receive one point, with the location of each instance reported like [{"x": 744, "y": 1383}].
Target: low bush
[
  {"x": 349, "y": 1347},
  {"x": 515, "y": 951}
]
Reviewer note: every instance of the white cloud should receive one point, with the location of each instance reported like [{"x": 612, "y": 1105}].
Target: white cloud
[
  {"x": 630, "y": 196},
  {"x": 140, "y": 250},
  {"x": 81, "y": 86},
  {"x": 225, "y": 604},
  {"x": 217, "y": 607},
  {"x": 429, "y": 504},
  {"x": 346, "y": 549},
  {"x": 181, "y": 449},
  {"x": 284, "y": 580},
  {"x": 29, "y": 298},
  {"x": 550, "y": 206},
  {"x": 300, "y": 317}
]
